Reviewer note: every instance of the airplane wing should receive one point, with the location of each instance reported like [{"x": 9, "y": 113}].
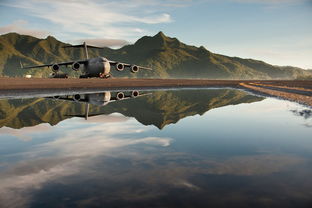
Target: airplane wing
[
  {"x": 128, "y": 65},
  {"x": 66, "y": 98},
  {"x": 60, "y": 64}
]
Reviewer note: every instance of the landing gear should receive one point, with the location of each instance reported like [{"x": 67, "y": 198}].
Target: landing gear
[
  {"x": 84, "y": 76},
  {"x": 105, "y": 76}
]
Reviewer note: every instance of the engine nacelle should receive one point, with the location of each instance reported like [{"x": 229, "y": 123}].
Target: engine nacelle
[
  {"x": 55, "y": 67},
  {"x": 75, "y": 66},
  {"x": 120, "y": 96},
  {"x": 77, "y": 97},
  {"x": 52, "y": 75},
  {"x": 120, "y": 67},
  {"x": 135, "y": 93},
  {"x": 134, "y": 68}
]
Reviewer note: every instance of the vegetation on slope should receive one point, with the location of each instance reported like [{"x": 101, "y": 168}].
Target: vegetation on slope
[{"x": 169, "y": 58}]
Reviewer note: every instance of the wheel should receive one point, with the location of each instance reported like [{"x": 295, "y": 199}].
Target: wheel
[
  {"x": 109, "y": 76},
  {"x": 105, "y": 76},
  {"x": 83, "y": 76}
]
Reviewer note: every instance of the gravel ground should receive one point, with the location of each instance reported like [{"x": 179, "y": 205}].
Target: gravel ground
[{"x": 301, "y": 96}]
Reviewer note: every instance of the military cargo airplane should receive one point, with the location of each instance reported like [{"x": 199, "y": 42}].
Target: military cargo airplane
[
  {"x": 99, "y": 99},
  {"x": 93, "y": 67}
]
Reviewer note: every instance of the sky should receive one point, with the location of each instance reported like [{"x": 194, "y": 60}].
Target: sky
[{"x": 278, "y": 32}]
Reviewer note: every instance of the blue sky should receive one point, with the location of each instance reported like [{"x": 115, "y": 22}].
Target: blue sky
[{"x": 276, "y": 31}]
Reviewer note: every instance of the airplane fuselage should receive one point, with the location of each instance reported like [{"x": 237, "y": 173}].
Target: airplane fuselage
[
  {"x": 99, "y": 99},
  {"x": 97, "y": 67}
]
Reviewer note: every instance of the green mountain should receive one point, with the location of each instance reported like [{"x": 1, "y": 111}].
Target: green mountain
[
  {"x": 169, "y": 58},
  {"x": 158, "y": 109}
]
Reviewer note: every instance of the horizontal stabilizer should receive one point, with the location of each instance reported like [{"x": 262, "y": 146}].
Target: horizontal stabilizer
[
  {"x": 81, "y": 46},
  {"x": 84, "y": 45}
]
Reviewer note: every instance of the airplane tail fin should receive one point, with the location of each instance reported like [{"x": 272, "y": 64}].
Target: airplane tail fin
[
  {"x": 86, "y": 111},
  {"x": 22, "y": 67},
  {"x": 85, "y": 46}
]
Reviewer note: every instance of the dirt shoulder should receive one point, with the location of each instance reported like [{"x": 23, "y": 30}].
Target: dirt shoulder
[{"x": 297, "y": 94}]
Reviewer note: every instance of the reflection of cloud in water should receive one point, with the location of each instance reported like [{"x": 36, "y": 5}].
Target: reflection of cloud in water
[
  {"x": 135, "y": 175},
  {"x": 99, "y": 139},
  {"x": 18, "y": 183},
  {"x": 107, "y": 118},
  {"x": 255, "y": 165},
  {"x": 75, "y": 150},
  {"x": 306, "y": 114},
  {"x": 25, "y": 133},
  {"x": 187, "y": 184},
  {"x": 106, "y": 158},
  {"x": 78, "y": 145}
]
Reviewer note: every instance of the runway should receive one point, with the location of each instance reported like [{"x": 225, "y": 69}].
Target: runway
[
  {"x": 115, "y": 83},
  {"x": 295, "y": 90}
]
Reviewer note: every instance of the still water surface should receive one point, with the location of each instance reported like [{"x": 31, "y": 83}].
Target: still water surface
[{"x": 190, "y": 148}]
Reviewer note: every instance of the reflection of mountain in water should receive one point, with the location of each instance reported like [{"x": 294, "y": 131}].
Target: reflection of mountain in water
[{"x": 160, "y": 108}]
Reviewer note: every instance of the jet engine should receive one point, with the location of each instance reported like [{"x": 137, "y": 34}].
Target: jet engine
[
  {"x": 134, "y": 68},
  {"x": 134, "y": 94},
  {"x": 55, "y": 67},
  {"x": 120, "y": 67},
  {"x": 52, "y": 75},
  {"x": 120, "y": 96},
  {"x": 75, "y": 66},
  {"x": 77, "y": 97}
]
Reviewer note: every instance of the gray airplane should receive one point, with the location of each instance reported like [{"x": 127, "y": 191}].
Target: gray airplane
[{"x": 93, "y": 67}]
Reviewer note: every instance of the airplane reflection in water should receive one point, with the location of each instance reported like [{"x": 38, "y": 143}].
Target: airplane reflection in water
[
  {"x": 161, "y": 108},
  {"x": 99, "y": 99}
]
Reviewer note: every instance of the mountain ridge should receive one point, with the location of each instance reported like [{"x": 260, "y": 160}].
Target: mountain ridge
[{"x": 169, "y": 58}]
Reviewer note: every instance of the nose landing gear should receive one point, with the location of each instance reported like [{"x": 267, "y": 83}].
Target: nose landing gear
[{"x": 105, "y": 76}]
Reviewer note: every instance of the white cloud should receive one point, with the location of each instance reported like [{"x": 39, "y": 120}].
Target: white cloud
[
  {"x": 97, "y": 19},
  {"x": 104, "y": 42},
  {"x": 284, "y": 52},
  {"x": 21, "y": 27},
  {"x": 270, "y": 1}
]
